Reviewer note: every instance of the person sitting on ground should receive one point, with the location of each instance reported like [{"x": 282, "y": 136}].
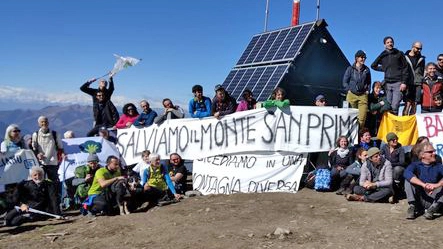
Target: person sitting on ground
[
  {"x": 320, "y": 100},
  {"x": 378, "y": 104},
  {"x": 68, "y": 134},
  {"x": 414, "y": 151},
  {"x": 353, "y": 171},
  {"x": 105, "y": 113},
  {"x": 375, "y": 184},
  {"x": 130, "y": 114},
  {"x": 36, "y": 193},
  {"x": 199, "y": 106},
  {"x": 366, "y": 141},
  {"x": 178, "y": 173},
  {"x": 142, "y": 165},
  {"x": 13, "y": 140},
  {"x": 248, "y": 102},
  {"x": 277, "y": 99},
  {"x": 339, "y": 159},
  {"x": 171, "y": 112},
  {"x": 432, "y": 85},
  {"x": 395, "y": 153},
  {"x": 83, "y": 176},
  {"x": 101, "y": 196},
  {"x": 222, "y": 103},
  {"x": 423, "y": 185},
  {"x": 147, "y": 117},
  {"x": 157, "y": 182}
]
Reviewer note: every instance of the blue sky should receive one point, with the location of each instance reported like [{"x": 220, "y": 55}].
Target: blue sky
[{"x": 50, "y": 48}]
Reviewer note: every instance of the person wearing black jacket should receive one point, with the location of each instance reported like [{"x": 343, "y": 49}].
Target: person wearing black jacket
[
  {"x": 356, "y": 82},
  {"x": 393, "y": 63},
  {"x": 416, "y": 67},
  {"x": 36, "y": 193},
  {"x": 104, "y": 111}
]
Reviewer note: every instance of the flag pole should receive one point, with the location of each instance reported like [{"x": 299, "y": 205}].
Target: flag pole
[
  {"x": 318, "y": 10},
  {"x": 266, "y": 15}
]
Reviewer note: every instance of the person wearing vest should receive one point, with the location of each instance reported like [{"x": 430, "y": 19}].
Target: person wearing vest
[{"x": 157, "y": 183}]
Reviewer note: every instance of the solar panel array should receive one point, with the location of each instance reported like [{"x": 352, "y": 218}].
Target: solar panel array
[
  {"x": 265, "y": 61},
  {"x": 260, "y": 80}
]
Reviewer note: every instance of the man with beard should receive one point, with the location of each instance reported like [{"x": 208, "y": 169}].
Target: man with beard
[
  {"x": 36, "y": 193},
  {"x": 416, "y": 67},
  {"x": 375, "y": 184},
  {"x": 101, "y": 197},
  {"x": 393, "y": 63}
]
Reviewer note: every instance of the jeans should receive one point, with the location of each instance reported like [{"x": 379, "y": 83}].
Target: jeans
[{"x": 394, "y": 95}]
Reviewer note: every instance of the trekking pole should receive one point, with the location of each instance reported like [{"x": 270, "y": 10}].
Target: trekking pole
[{"x": 44, "y": 213}]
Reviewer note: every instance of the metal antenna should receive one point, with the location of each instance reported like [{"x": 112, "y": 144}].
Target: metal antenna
[
  {"x": 318, "y": 10},
  {"x": 266, "y": 15}
]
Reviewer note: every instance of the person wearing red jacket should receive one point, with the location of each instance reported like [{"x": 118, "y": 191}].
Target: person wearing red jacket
[{"x": 432, "y": 85}]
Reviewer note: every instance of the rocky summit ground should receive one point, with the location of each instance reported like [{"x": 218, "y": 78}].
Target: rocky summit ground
[{"x": 306, "y": 219}]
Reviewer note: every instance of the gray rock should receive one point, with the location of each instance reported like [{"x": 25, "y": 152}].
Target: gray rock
[{"x": 283, "y": 231}]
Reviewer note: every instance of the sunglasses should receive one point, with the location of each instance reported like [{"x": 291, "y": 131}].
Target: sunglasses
[
  {"x": 16, "y": 131},
  {"x": 417, "y": 48},
  {"x": 429, "y": 151}
]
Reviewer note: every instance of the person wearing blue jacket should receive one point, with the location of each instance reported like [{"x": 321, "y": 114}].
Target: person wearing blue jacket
[
  {"x": 156, "y": 182},
  {"x": 199, "y": 106},
  {"x": 356, "y": 81},
  {"x": 423, "y": 183}
]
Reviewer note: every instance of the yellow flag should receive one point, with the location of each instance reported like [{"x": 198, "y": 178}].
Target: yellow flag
[{"x": 405, "y": 127}]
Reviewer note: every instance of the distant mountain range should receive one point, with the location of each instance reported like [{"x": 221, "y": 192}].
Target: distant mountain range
[{"x": 77, "y": 118}]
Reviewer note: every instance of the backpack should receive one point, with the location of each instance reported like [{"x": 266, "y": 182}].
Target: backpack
[
  {"x": 322, "y": 180},
  {"x": 54, "y": 136}
]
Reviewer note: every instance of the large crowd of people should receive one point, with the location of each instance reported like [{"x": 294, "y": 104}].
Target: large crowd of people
[{"x": 369, "y": 171}]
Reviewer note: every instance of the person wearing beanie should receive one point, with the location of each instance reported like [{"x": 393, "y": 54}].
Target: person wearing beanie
[
  {"x": 199, "y": 106},
  {"x": 320, "y": 100},
  {"x": 394, "y": 152},
  {"x": 375, "y": 184},
  {"x": 393, "y": 63},
  {"x": 356, "y": 81},
  {"x": 83, "y": 176}
]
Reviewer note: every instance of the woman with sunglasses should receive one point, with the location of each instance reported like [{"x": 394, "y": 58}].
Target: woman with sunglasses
[
  {"x": 130, "y": 114},
  {"x": 13, "y": 140}
]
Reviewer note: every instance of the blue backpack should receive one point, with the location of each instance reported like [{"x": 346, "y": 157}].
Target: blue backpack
[{"x": 322, "y": 180}]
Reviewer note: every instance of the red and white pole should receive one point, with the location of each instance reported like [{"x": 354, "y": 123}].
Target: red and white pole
[{"x": 295, "y": 13}]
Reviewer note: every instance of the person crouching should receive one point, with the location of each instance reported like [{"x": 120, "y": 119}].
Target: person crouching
[{"x": 157, "y": 183}]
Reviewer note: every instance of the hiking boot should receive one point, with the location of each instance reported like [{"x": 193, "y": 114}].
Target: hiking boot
[
  {"x": 392, "y": 200},
  {"x": 354, "y": 197},
  {"x": 410, "y": 214},
  {"x": 340, "y": 191},
  {"x": 429, "y": 214},
  {"x": 347, "y": 191}
]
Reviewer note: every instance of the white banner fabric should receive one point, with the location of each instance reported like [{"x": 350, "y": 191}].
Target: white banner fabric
[
  {"x": 249, "y": 173},
  {"x": 78, "y": 149},
  {"x": 298, "y": 129},
  {"x": 15, "y": 167},
  {"x": 431, "y": 125}
]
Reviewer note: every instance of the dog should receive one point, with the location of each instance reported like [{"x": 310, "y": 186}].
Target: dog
[{"x": 126, "y": 191}]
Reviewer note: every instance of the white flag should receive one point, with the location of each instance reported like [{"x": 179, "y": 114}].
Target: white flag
[{"x": 123, "y": 62}]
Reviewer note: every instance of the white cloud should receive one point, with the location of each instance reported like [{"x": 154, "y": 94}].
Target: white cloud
[{"x": 34, "y": 97}]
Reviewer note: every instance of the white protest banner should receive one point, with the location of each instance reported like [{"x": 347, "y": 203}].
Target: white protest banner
[
  {"x": 249, "y": 173},
  {"x": 15, "y": 167},
  {"x": 298, "y": 129},
  {"x": 77, "y": 151},
  {"x": 431, "y": 125}
]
